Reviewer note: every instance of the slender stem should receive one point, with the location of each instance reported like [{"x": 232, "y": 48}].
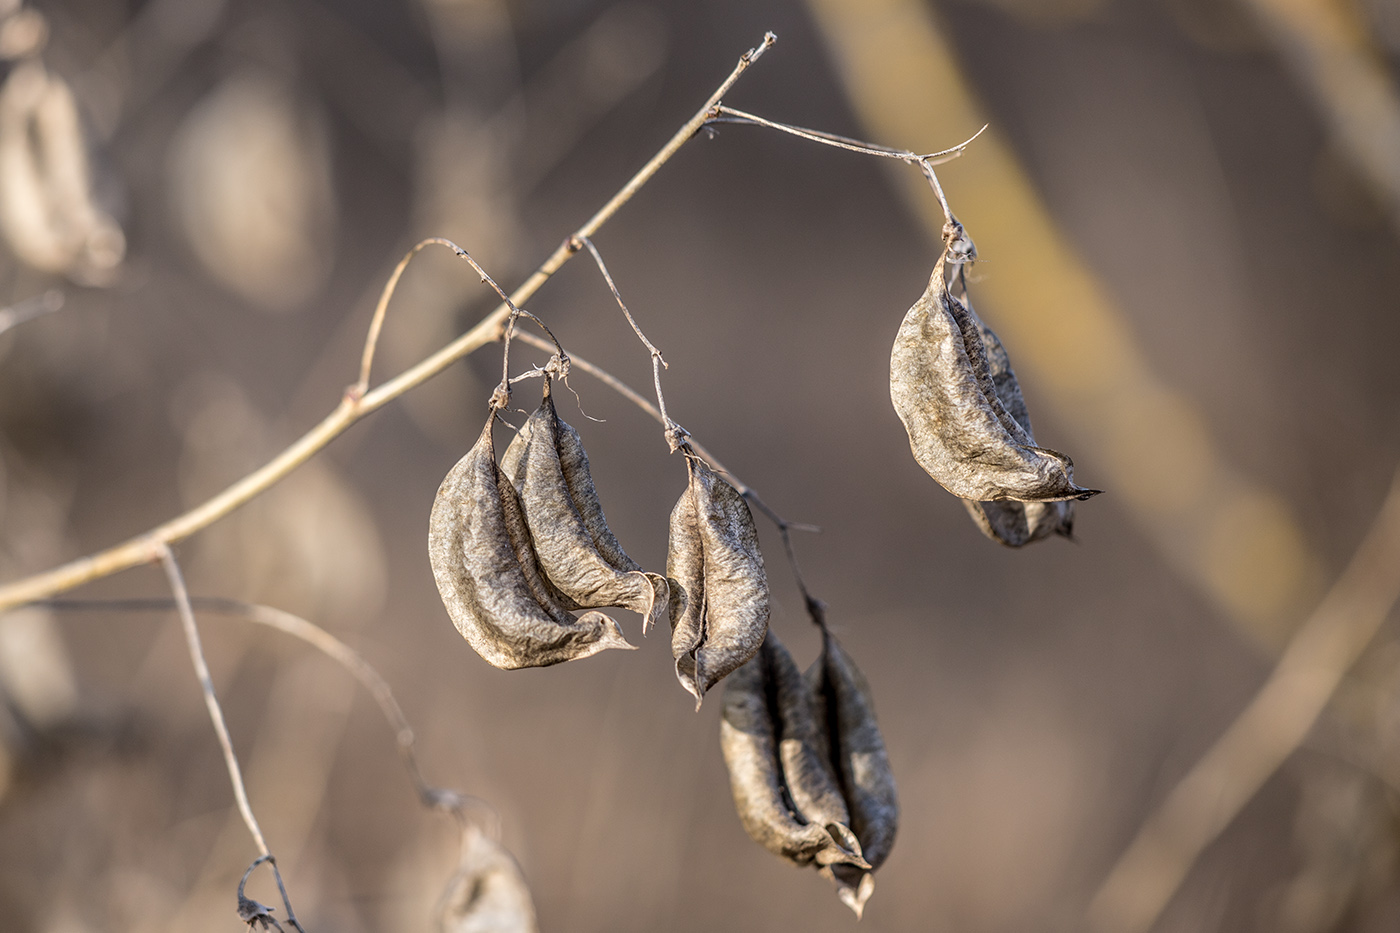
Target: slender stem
[
  {"x": 211, "y": 700},
  {"x": 1269, "y": 729},
  {"x": 353, "y": 407},
  {"x": 674, "y": 432},
  {"x": 740, "y": 117}
]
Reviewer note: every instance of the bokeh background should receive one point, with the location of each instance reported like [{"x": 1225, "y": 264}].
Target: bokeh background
[{"x": 1188, "y": 212}]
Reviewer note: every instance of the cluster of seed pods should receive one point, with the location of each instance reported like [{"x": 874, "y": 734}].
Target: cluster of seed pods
[{"x": 517, "y": 548}]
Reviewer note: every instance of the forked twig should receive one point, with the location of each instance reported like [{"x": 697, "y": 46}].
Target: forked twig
[
  {"x": 356, "y": 405},
  {"x": 1271, "y": 727}
]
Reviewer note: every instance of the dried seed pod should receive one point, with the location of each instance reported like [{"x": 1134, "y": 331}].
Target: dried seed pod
[
  {"x": 576, "y": 549},
  {"x": 842, "y": 702},
  {"x": 787, "y": 796},
  {"x": 959, "y": 431},
  {"x": 488, "y": 893},
  {"x": 719, "y": 592},
  {"x": 489, "y": 578},
  {"x": 1011, "y": 523}
]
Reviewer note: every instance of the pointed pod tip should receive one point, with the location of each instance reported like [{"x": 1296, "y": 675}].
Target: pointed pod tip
[
  {"x": 1087, "y": 494},
  {"x": 855, "y": 896}
]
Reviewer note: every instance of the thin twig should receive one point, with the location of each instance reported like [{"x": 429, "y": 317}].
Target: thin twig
[
  {"x": 1274, "y": 724},
  {"x": 352, "y": 408},
  {"x": 924, "y": 162},
  {"x": 206, "y": 684},
  {"x": 30, "y": 308},
  {"x": 741, "y": 118},
  {"x": 432, "y": 797},
  {"x": 674, "y": 432}
]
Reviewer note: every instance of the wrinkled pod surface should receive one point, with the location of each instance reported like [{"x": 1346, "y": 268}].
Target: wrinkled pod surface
[
  {"x": 1014, "y": 524},
  {"x": 577, "y": 551},
  {"x": 780, "y": 773},
  {"x": 959, "y": 431},
  {"x": 719, "y": 591},
  {"x": 843, "y": 707},
  {"x": 488, "y": 574}
]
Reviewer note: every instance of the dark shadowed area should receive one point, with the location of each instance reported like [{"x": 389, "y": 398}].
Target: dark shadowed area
[{"x": 241, "y": 176}]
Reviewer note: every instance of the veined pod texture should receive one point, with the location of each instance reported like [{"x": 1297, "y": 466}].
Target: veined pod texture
[
  {"x": 489, "y": 577},
  {"x": 959, "y": 431},
  {"x": 719, "y": 591},
  {"x": 842, "y": 704},
  {"x": 577, "y": 551},
  {"x": 787, "y": 796},
  {"x": 488, "y": 894},
  {"x": 1014, "y": 524}
]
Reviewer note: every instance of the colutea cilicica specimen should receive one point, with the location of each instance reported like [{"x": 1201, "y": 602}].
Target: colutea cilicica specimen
[
  {"x": 488, "y": 572},
  {"x": 959, "y": 430},
  {"x": 577, "y": 551},
  {"x": 780, "y": 773},
  {"x": 719, "y": 591},
  {"x": 843, "y": 707}
]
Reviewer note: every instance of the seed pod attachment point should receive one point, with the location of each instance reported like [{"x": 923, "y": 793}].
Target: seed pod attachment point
[
  {"x": 784, "y": 789},
  {"x": 489, "y": 577},
  {"x": 719, "y": 591},
  {"x": 959, "y": 431},
  {"x": 577, "y": 551},
  {"x": 842, "y": 702}
]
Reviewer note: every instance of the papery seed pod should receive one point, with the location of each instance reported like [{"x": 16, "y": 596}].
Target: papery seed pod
[
  {"x": 484, "y": 562},
  {"x": 719, "y": 591},
  {"x": 959, "y": 431},
  {"x": 1014, "y": 524},
  {"x": 787, "y": 796},
  {"x": 577, "y": 551},
  {"x": 842, "y": 703},
  {"x": 488, "y": 893}
]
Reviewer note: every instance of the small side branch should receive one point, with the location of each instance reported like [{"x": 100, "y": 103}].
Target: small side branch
[{"x": 30, "y": 308}]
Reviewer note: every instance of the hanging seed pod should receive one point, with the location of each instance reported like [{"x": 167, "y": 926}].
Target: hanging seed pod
[
  {"x": 959, "y": 431},
  {"x": 842, "y": 703},
  {"x": 488, "y": 893},
  {"x": 488, "y": 575},
  {"x": 577, "y": 551},
  {"x": 787, "y": 796},
  {"x": 1014, "y": 524},
  {"x": 719, "y": 592}
]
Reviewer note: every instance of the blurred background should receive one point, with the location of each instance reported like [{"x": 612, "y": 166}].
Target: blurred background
[{"x": 1188, "y": 212}]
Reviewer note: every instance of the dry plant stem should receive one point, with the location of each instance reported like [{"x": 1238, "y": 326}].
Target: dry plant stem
[
  {"x": 351, "y": 660},
  {"x": 353, "y": 406},
  {"x": 657, "y": 360},
  {"x": 211, "y": 701},
  {"x": 925, "y": 162},
  {"x": 1274, "y": 724}
]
